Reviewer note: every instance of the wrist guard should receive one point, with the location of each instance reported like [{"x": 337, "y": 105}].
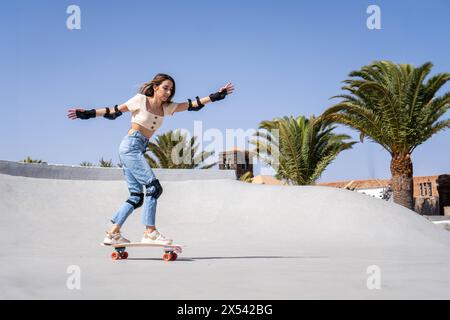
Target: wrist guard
[
  {"x": 117, "y": 113},
  {"x": 218, "y": 95},
  {"x": 199, "y": 105},
  {"x": 84, "y": 115}
]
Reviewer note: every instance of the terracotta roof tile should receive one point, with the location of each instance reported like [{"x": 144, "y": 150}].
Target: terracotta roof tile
[
  {"x": 357, "y": 184},
  {"x": 266, "y": 180},
  {"x": 370, "y": 183}
]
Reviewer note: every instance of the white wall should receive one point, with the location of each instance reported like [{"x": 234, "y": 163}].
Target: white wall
[{"x": 373, "y": 192}]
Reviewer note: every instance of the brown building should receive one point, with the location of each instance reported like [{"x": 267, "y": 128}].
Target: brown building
[
  {"x": 431, "y": 193},
  {"x": 443, "y": 183},
  {"x": 426, "y": 195},
  {"x": 238, "y": 160}
]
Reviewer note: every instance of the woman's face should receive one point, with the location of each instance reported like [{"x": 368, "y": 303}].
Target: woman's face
[{"x": 164, "y": 90}]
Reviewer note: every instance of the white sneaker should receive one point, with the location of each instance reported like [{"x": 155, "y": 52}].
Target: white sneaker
[
  {"x": 155, "y": 238},
  {"x": 114, "y": 238}
]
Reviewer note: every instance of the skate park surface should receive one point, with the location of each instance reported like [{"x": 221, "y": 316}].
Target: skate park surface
[{"x": 243, "y": 241}]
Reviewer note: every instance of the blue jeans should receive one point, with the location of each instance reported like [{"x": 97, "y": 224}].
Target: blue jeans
[{"x": 137, "y": 174}]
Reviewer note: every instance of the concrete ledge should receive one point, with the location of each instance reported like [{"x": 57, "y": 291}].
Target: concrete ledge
[{"x": 65, "y": 172}]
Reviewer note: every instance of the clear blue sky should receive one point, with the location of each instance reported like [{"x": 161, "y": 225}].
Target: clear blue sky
[{"x": 284, "y": 57}]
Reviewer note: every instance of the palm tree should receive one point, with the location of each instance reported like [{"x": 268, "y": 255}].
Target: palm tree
[
  {"x": 393, "y": 105},
  {"x": 304, "y": 147},
  {"x": 86, "y": 164},
  {"x": 105, "y": 163},
  {"x": 30, "y": 160},
  {"x": 173, "y": 150},
  {"x": 246, "y": 177}
]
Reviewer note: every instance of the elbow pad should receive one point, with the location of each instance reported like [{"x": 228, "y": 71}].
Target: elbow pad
[
  {"x": 199, "y": 105},
  {"x": 117, "y": 113}
]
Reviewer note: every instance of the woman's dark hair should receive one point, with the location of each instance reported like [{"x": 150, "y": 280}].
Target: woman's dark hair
[{"x": 147, "y": 88}]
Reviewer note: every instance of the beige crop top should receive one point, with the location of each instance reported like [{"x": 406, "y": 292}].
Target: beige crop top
[{"x": 140, "y": 115}]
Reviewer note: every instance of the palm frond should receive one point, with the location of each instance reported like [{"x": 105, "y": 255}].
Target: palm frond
[{"x": 392, "y": 104}]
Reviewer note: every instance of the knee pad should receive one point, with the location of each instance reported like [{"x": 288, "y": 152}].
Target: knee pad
[
  {"x": 136, "y": 204},
  {"x": 156, "y": 191}
]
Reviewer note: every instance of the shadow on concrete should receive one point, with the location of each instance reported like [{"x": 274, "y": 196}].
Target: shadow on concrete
[{"x": 233, "y": 258}]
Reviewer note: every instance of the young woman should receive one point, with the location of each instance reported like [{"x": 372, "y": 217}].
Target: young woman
[{"x": 148, "y": 108}]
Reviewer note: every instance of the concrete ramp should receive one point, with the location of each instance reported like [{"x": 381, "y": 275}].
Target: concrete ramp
[{"x": 243, "y": 242}]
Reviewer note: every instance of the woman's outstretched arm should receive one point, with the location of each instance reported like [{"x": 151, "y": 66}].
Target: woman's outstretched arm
[
  {"x": 109, "y": 113},
  {"x": 199, "y": 103}
]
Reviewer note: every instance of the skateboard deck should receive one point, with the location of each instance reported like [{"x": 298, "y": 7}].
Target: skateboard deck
[{"x": 170, "y": 251}]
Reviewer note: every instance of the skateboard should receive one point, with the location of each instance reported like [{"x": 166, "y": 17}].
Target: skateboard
[{"x": 170, "y": 251}]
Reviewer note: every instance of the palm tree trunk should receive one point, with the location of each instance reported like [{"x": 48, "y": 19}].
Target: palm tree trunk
[{"x": 402, "y": 180}]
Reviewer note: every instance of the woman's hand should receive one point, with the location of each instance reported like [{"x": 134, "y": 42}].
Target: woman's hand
[
  {"x": 71, "y": 113},
  {"x": 220, "y": 95},
  {"x": 81, "y": 114},
  {"x": 229, "y": 88}
]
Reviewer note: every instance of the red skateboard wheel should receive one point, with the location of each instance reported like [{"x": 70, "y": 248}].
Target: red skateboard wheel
[
  {"x": 167, "y": 256},
  {"x": 115, "y": 256}
]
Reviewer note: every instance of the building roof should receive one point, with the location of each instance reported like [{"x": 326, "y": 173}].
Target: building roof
[
  {"x": 233, "y": 150},
  {"x": 358, "y": 184},
  {"x": 370, "y": 183},
  {"x": 261, "y": 179}
]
